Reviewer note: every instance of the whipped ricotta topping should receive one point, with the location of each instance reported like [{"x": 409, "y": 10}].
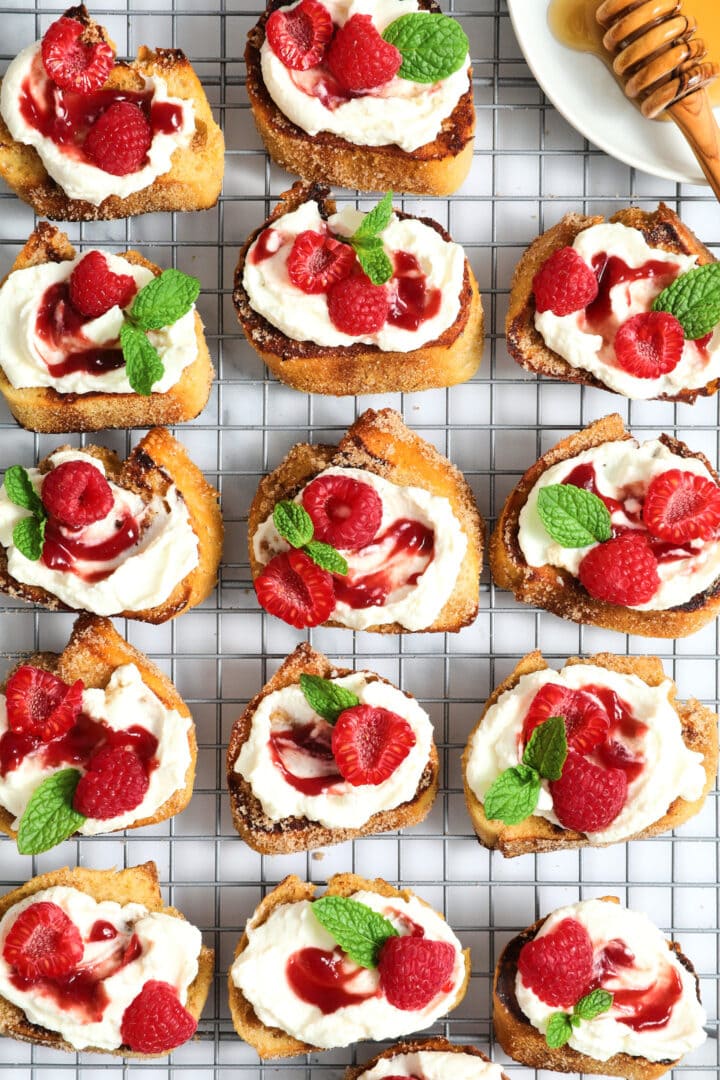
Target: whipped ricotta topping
[
  {"x": 670, "y": 769},
  {"x": 406, "y": 113},
  {"x": 169, "y": 953},
  {"x": 142, "y": 577},
  {"x": 304, "y": 316},
  {"x": 260, "y": 973},
  {"x": 605, "y": 1036},
  {"x": 571, "y": 338},
  {"x": 80, "y": 179},
  {"x": 125, "y": 702},
  {"x": 342, "y": 805},
  {"x": 618, "y": 467},
  {"x": 26, "y": 357},
  {"x": 416, "y": 606},
  {"x": 434, "y": 1065}
]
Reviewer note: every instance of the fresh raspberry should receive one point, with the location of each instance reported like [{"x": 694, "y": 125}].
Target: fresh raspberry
[
  {"x": 155, "y": 1022},
  {"x": 414, "y": 970},
  {"x": 623, "y": 570},
  {"x": 369, "y": 743},
  {"x": 40, "y": 704},
  {"x": 115, "y": 783},
  {"x": 43, "y": 942},
  {"x": 587, "y": 798},
  {"x": 316, "y": 261},
  {"x": 300, "y": 37},
  {"x": 681, "y": 506},
  {"x": 295, "y": 589},
  {"x": 72, "y": 60},
  {"x": 558, "y": 967},
  {"x": 76, "y": 494},
  {"x": 94, "y": 288},
  {"x": 586, "y": 721},
  {"x": 345, "y": 512},
  {"x": 359, "y": 58},
  {"x": 564, "y": 283},
  {"x": 649, "y": 344},
  {"x": 356, "y": 306},
  {"x": 119, "y": 139}
]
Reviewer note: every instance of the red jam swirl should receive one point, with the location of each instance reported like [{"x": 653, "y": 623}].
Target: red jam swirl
[
  {"x": 612, "y": 271},
  {"x": 412, "y": 301},
  {"x": 63, "y": 551},
  {"x": 324, "y": 979},
  {"x": 303, "y": 755},
  {"x": 267, "y": 244},
  {"x": 60, "y": 326},
  {"x": 644, "y": 1009},
  {"x": 404, "y": 542},
  {"x": 613, "y": 753}
]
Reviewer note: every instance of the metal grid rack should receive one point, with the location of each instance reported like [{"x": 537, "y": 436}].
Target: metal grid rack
[{"x": 529, "y": 169}]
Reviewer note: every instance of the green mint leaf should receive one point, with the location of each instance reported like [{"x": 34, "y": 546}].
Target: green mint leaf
[
  {"x": 375, "y": 222},
  {"x": 326, "y": 557},
  {"x": 164, "y": 300},
  {"x": 358, "y": 930},
  {"x": 375, "y": 262},
  {"x": 513, "y": 796},
  {"x": 326, "y": 697},
  {"x": 29, "y": 536},
  {"x": 694, "y": 299},
  {"x": 293, "y": 523},
  {"x": 49, "y": 817},
  {"x": 143, "y": 365},
  {"x": 547, "y": 749},
  {"x": 559, "y": 1030},
  {"x": 594, "y": 1003},
  {"x": 432, "y": 46},
  {"x": 573, "y": 516},
  {"x": 20, "y": 491}
]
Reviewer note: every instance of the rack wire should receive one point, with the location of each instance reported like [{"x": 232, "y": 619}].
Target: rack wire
[{"x": 529, "y": 169}]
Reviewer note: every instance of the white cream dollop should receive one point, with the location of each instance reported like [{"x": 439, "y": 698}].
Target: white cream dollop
[{"x": 434, "y": 1065}]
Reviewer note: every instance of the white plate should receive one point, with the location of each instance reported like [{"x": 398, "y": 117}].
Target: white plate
[{"x": 583, "y": 90}]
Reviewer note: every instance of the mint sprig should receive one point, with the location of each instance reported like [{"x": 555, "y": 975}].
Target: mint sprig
[
  {"x": 160, "y": 303},
  {"x": 367, "y": 243},
  {"x": 294, "y": 524},
  {"x": 573, "y": 516},
  {"x": 359, "y": 931},
  {"x": 432, "y": 46},
  {"x": 29, "y": 533},
  {"x": 326, "y": 697},
  {"x": 513, "y": 796},
  {"x": 694, "y": 299},
  {"x": 49, "y": 816},
  {"x": 561, "y": 1024}
]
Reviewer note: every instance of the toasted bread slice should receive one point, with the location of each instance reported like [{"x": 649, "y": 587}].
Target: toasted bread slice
[
  {"x": 381, "y": 443},
  {"x": 437, "y": 168},
  {"x": 435, "y": 1045},
  {"x": 662, "y": 229},
  {"x": 558, "y": 591},
  {"x": 157, "y": 462},
  {"x": 195, "y": 176},
  {"x": 44, "y": 409},
  {"x": 94, "y": 651},
  {"x": 361, "y": 369},
  {"x": 301, "y": 834},
  {"x": 536, "y": 834},
  {"x": 273, "y": 1042},
  {"x": 526, "y": 1044},
  {"x": 136, "y": 885}
]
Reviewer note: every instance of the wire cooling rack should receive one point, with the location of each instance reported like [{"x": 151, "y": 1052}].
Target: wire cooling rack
[{"x": 529, "y": 169}]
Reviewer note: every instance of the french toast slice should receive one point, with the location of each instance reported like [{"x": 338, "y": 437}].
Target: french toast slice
[{"x": 435, "y": 1045}]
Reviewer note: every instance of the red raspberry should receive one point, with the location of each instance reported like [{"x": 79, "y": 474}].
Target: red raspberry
[
  {"x": 94, "y": 288},
  {"x": 680, "y": 506},
  {"x": 586, "y": 721},
  {"x": 622, "y": 571},
  {"x": 119, "y": 139},
  {"x": 649, "y": 344},
  {"x": 72, "y": 60},
  {"x": 40, "y": 704},
  {"x": 115, "y": 783},
  {"x": 414, "y": 970},
  {"x": 359, "y": 58},
  {"x": 345, "y": 512},
  {"x": 587, "y": 798},
  {"x": 155, "y": 1022},
  {"x": 300, "y": 37},
  {"x": 76, "y": 494},
  {"x": 316, "y": 261},
  {"x": 43, "y": 942},
  {"x": 356, "y": 306},
  {"x": 295, "y": 589},
  {"x": 369, "y": 743},
  {"x": 558, "y": 967},
  {"x": 564, "y": 283}
]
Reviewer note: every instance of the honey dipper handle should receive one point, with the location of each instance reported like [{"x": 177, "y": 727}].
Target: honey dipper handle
[{"x": 694, "y": 116}]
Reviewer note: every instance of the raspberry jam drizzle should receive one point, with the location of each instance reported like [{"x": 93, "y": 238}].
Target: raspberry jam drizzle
[
  {"x": 60, "y": 326},
  {"x": 303, "y": 755},
  {"x": 324, "y": 979},
  {"x": 267, "y": 244},
  {"x": 412, "y": 302},
  {"x": 613, "y": 753},
  {"x": 394, "y": 560},
  {"x": 644, "y": 1009},
  {"x": 63, "y": 550}
]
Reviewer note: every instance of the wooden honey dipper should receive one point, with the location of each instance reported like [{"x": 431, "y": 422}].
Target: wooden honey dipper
[{"x": 663, "y": 66}]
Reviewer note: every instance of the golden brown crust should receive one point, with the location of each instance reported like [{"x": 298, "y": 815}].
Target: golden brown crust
[
  {"x": 273, "y": 1042},
  {"x": 699, "y": 731},
  {"x": 381, "y": 443},
  {"x": 437, "y": 168},
  {"x": 558, "y": 591},
  {"x": 435, "y": 1045},
  {"x": 45, "y": 409},
  {"x": 195, "y": 176},
  {"x": 137, "y": 884},
  {"x": 301, "y": 834},
  {"x": 662, "y": 229}
]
